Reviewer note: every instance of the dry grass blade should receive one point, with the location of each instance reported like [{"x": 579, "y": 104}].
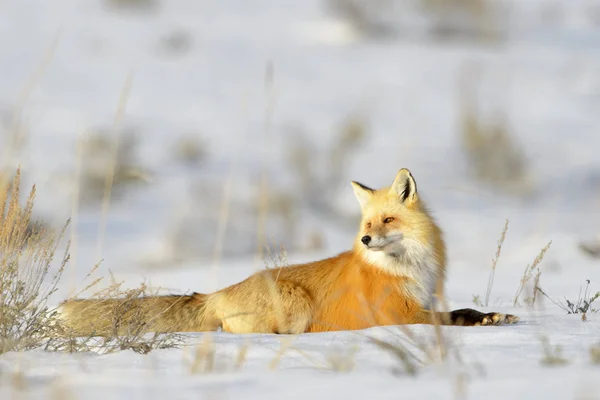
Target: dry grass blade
[
  {"x": 405, "y": 357},
  {"x": 552, "y": 355},
  {"x": 204, "y": 357},
  {"x": 110, "y": 176},
  {"x": 15, "y": 129},
  {"x": 319, "y": 177},
  {"x": 530, "y": 272},
  {"x": 223, "y": 219},
  {"x": 264, "y": 194},
  {"x": 342, "y": 360},
  {"x": 286, "y": 344},
  {"x": 494, "y": 263},
  {"x": 595, "y": 354},
  {"x": 60, "y": 390},
  {"x": 26, "y": 280}
]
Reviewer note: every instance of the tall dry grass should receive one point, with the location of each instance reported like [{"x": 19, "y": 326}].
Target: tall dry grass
[
  {"x": 495, "y": 263},
  {"x": 29, "y": 276},
  {"x": 495, "y": 157},
  {"x": 27, "y": 281}
]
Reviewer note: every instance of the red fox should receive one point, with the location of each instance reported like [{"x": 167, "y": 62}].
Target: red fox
[{"x": 394, "y": 274}]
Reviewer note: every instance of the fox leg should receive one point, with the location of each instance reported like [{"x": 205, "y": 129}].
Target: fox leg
[
  {"x": 470, "y": 317},
  {"x": 463, "y": 317},
  {"x": 277, "y": 307},
  {"x": 295, "y": 309}
]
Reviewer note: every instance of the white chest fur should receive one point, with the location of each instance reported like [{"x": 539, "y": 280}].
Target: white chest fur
[{"x": 414, "y": 261}]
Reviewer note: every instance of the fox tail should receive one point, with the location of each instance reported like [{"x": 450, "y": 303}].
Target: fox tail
[{"x": 106, "y": 317}]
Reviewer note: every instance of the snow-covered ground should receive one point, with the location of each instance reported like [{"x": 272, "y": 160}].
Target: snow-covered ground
[{"x": 545, "y": 78}]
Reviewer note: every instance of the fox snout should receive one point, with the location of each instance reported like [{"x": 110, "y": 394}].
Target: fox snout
[{"x": 378, "y": 243}]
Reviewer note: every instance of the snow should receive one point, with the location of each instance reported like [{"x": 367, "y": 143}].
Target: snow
[
  {"x": 497, "y": 363},
  {"x": 545, "y": 79}
]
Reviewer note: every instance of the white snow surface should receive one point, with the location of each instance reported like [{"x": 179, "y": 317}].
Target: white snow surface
[{"x": 546, "y": 79}]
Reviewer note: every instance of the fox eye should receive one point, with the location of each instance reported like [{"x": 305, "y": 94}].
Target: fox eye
[
  {"x": 368, "y": 225},
  {"x": 388, "y": 220}
]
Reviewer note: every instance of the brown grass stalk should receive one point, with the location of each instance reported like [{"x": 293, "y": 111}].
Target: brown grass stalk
[
  {"x": 530, "y": 272},
  {"x": 108, "y": 183},
  {"x": 26, "y": 280},
  {"x": 494, "y": 263},
  {"x": 15, "y": 129},
  {"x": 263, "y": 201}
]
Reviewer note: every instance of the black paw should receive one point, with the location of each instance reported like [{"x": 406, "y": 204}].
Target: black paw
[{"x": 470, "y": 317}]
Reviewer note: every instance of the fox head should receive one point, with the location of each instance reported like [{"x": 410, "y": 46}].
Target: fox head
[{"x": 396, "y": 228}]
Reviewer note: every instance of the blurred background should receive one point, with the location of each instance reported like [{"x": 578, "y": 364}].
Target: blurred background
[{"x": 178, "y": 132}]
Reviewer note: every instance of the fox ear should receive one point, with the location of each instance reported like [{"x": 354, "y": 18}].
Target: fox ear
[
  {"x": 363, "y": 193},
  {"x": 404, "y": 186}
]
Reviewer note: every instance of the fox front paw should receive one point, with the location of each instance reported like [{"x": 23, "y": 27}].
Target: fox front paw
[{"x": 470, "y": 317}]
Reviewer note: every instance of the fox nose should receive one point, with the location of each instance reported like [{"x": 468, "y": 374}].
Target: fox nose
[{"x": 366, "y": 239}]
